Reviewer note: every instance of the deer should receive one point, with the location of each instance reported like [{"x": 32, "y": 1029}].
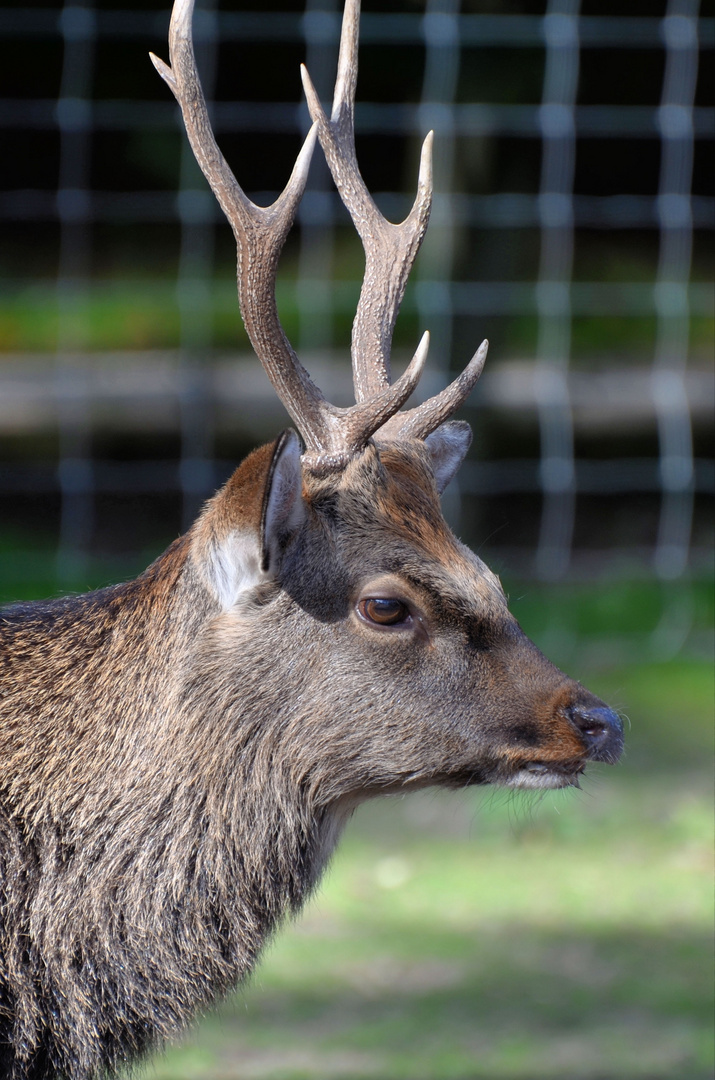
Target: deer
[{"x": 180, "y": 753}]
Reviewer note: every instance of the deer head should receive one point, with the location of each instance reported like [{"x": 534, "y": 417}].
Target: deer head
[{"x": 407, "y": 632}]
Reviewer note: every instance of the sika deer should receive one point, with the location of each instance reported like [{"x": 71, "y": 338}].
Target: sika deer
[{"x": 178, "y": 754}]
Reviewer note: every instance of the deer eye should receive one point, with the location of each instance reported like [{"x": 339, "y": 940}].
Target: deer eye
[{"x": 384, "y": 612}]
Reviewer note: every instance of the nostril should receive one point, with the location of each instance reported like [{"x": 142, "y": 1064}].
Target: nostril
[{"x": 602, "y": 731}]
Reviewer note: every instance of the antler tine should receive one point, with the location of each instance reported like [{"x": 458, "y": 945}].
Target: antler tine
[
  {"x": 420, "y": 422},
  {"x": 260, "y": 235},
  {"x": 390, "y": 249}
]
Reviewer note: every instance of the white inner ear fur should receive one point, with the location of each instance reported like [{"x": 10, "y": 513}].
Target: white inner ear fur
[
  {"x": 243, "y": 558},
  {"x": 234, "y": 565},
  {"x": 448, "y": 447}
]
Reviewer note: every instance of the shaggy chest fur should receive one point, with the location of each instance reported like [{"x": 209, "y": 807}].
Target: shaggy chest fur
[
  {"x": 119, "y": 922},
  {"x": 139, "y": 875}
]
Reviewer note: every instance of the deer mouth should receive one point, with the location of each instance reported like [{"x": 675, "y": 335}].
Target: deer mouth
[
  {"x": 542, "y": 775},
  {"x": 523, "y": 775}
]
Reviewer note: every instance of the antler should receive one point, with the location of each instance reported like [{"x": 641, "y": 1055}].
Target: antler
[
  {"x": 332, "y": 436},
  {"x": 390, "y": 250}
]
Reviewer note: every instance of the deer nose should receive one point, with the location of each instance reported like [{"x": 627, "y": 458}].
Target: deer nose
[{"x": 601, "y": 729}]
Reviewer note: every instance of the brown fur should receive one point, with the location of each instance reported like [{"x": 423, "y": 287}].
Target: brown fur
[{"x": 174, "y": 771}]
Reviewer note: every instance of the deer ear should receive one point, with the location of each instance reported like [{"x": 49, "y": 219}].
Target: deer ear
[
  {"x": 448, "y": 447},
  {"x": 238, "y": 540},
  {"x": 283, "y": 507}
]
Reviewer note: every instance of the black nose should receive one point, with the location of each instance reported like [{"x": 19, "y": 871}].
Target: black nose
[{"x": 601, "y": 730}]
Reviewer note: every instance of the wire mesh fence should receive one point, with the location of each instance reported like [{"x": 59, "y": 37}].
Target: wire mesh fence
[{"x": 570, "y": 225}]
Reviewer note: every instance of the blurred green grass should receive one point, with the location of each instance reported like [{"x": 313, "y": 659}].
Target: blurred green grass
[
  {"x": 517, "y": 952},
  {"x": 479, "y": 934}
]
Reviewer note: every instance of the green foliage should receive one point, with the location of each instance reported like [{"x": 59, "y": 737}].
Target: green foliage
[
  {"x": 131, "y": 314},
  {"x": 663, "y": 739},
  {"x": 609, "y": 608}
]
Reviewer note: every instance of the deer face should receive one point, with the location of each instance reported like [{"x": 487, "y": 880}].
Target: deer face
[{"x": 394, "y": 644}]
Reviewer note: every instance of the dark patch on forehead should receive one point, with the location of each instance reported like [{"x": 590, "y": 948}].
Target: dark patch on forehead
[
  {"x": 384, "y": 514},
  {"x": 327, "y": 505},
  {"x": 409, "y": 503},
  {"x": 410, "y": 461},
  {"x": 406, "y": 515},
  {"x": 391, "y": 489}
]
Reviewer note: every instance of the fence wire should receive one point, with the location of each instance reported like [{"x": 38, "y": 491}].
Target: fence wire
[{"x": 449, "y": 292}]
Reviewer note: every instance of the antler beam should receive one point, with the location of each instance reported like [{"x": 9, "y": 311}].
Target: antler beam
[
  {"x": 390, "y": 250},
  {"x": 260, "y": 231}
]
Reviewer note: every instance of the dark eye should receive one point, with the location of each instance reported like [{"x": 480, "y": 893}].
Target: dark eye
[{"x": 384, "y": 612}]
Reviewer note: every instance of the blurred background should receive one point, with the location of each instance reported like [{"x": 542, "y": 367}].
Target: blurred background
[{"x": 572, "y": 226}]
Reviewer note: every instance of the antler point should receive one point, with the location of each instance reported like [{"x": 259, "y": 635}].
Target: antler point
[
  {"x": 164, "y": 70},
  {"x": 311, "y": 94}
]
